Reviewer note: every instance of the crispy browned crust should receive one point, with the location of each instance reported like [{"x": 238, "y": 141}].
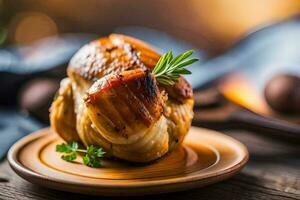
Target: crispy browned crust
[
  {"x": 112, "y": 99},
  {"x": 137, "y": 92},
  {"x": 118, "y": 53}
]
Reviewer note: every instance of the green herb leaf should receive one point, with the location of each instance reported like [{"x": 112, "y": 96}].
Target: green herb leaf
[
  {"x": 61, "y": 148},
  {"x": 167, "y": 70},
  {"x": 67, "y": 148},
  {"x": 69, "y": 157},
  {"x": 91, "y": 162},
  {"x": 86, "y": 159},
  {"x": 92, "y": 154}
]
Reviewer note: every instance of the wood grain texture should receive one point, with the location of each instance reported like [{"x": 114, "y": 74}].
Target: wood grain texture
[{"x": 272, "y": 173}]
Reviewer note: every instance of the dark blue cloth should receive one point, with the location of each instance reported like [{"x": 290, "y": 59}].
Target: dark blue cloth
[{"x": 13, "y": 126}]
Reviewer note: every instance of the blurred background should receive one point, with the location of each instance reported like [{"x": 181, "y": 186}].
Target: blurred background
[
  {"x": 249, "y": 50},
  {"x": 213, "y": 25}
]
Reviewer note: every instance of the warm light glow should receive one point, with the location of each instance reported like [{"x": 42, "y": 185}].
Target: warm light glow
[
  {"x": 228, "y": 20},
  {"x": 239, "y": 90},
  {"x": 31, "y": 26}
]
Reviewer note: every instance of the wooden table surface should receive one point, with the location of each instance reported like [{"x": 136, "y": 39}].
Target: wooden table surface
[{"x": 273, "y": 172}]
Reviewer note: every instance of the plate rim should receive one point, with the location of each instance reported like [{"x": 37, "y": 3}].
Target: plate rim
[{"x": 27, "y": 173}]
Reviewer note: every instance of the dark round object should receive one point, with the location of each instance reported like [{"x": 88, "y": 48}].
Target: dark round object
[
  {"x": 36, "y": 97},
  {"x": 282, "y": 93}
]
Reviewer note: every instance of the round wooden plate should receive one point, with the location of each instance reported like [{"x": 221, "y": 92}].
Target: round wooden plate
[{"x": 204, "y": 158}]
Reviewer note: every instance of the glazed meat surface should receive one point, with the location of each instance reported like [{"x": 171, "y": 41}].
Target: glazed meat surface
[{"x": 112, "y": 99}]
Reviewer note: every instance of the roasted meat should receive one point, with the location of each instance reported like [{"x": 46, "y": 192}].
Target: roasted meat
[{"x": 112, "y": 99}]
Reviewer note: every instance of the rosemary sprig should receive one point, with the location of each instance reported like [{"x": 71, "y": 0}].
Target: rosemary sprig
[
  {"x": 168, "y": 69},
  {"x": 92, "y": 155}
]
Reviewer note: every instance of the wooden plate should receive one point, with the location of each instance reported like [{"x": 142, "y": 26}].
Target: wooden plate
[{"x": 205, "y": 157}]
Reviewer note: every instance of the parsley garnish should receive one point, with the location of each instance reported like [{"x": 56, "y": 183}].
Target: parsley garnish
[{"x": 92, "y": 154}]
